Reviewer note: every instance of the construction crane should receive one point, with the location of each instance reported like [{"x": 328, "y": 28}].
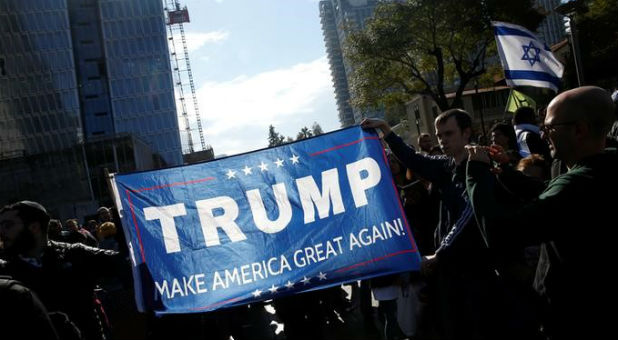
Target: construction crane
[{"x": 181, "y": 67}]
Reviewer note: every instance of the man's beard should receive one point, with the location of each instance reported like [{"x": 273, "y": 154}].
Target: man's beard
[{"x": 23, "y": 244}]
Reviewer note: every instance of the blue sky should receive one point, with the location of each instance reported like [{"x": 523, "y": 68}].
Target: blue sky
[{"x": 256, "y": 63}]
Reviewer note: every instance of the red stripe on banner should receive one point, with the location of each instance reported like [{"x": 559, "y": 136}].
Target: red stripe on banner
[
  {"x": 173, "y": 184},
  {"x": 139, "y": 235},
  {"x": 218, "y": 303},
  {"x": 341, "y": 146},
  {"x": 376, "y": 260},
  {"x": 403, "y": 214}
]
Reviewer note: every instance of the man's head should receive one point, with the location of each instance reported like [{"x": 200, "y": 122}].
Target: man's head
[
  {"x": 23, "y": 227},
  {"x": 104, "y": 215},
  {"x": 503, "y": 134},
  {"x": 71, "y": 224},
  {"x": 453, "y": 129},
  {"x": 54, "y": 227},
  {"x": 577, "y": 122},
  {"x": 524, "y": 115},
  {"x": 424, "y": 142}
]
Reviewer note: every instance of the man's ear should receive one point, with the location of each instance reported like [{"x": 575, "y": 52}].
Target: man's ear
[
  {"x": 467, "y": 134},
  {"x": 582, "y": 130}
]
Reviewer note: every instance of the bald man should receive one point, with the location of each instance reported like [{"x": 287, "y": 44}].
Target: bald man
[{"x": 573, "y": 219}]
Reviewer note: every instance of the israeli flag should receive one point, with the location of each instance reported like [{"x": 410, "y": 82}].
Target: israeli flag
[{"x": 526, "y": 60}]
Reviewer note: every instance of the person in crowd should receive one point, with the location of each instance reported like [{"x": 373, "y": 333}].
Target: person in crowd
[
  {"x": 534, "y": 166},
  {"x": 62, "y": 275},
  {"x": 104, "y": 215},
  {"x": 502, "y": 134},
  {"x": 571, "y": 219},
  {"x": 528, "y": 133},
  {"x": 461, "y": 270},
  {"x": 106, "y": 234},
  {"x": 91, "y": 226},
  {"x": 77, "y": 234},
  {"x": 55, "y": 232},
  {"x": 386, "y": 290},
  {"x": 424, "y": 143}
]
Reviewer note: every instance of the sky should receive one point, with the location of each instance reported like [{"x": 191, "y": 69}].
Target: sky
[{"x": 257, "y": 63}]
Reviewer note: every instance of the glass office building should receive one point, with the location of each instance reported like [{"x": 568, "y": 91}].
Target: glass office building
[
  {"x": 140, "y": 77},
  {"x": 337, "y": 18},
  {"x": 72, "y": 73}
]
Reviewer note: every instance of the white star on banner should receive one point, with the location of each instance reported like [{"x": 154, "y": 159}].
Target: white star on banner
[
  {"x": 257, "y": 293},
  {"x": 289, "y": 285},
  {"x": 231, "y": 174},
  {"x": 247, "y": 170},
  {"x": 263, "y": 166},
  {"x": 294, "y": 159},
  {"x": 279, "y": 162},
  {"x": 273, "y": 289},
  {"x": 305, "y": 280},
  {"x": 322, "y": 276}
]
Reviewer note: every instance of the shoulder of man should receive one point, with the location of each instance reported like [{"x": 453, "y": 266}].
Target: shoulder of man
[{"x": 14, "y": 292}]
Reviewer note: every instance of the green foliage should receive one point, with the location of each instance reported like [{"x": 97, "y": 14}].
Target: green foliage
[
  {"x": 274, "y": 138},
  {"x": 428, "y": 47},
  {"x": 598, "y": 40},
  {"x": 317, "y": 129},
  {"x": 304, "y": 133}
]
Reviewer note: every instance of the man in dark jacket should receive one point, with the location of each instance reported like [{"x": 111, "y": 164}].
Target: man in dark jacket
[
  {"x": 460, "y": 273},
  {"x": 62, "y": 275},
  {"x": 573, "y": 219}
]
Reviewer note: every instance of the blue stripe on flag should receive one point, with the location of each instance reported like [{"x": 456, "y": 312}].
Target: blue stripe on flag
[
  {"x": 532, "y": 75},
  {"x": 503, "y": 30}
]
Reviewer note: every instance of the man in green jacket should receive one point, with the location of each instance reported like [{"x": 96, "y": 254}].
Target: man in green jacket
[{"x": 573, "y": 219}]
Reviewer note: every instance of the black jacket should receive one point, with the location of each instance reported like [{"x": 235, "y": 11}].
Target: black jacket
[
  {"x": 574, "y": 221},
  {"x": 66, "y": 279}
]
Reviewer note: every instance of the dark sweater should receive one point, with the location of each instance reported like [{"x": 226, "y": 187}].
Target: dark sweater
[{"x": 574, "y": 222}]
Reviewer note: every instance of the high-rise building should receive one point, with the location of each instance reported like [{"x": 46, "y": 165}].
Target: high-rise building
[
  {"x": 551, "y": 29},
  {"x": 338, "y": 17},
  {"x": 123, "y": 67},
  {"x": 74, "y": 74}
]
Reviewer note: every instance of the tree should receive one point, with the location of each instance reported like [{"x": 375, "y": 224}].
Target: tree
[
  {"x": 598, "y": 42},
  {"x": 317, "y": 129},
  {"x": 304, "y": 133},
  {"x": 428, "y": 47},
  {"x": 274, "y": 138}
]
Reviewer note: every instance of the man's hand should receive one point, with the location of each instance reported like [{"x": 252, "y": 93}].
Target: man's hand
[
  {"x": 497, "y": 153},
  {"x": 428, "y": 266},
  {"x": 369, "y": 123},
  {"x": 478, "y": 153}
]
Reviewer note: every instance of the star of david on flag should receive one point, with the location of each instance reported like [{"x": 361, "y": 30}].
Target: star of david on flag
[{"x": 526, "y": 60}]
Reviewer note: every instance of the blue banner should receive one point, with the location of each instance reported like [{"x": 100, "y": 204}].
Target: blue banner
[{"x": 303, "y": 216}]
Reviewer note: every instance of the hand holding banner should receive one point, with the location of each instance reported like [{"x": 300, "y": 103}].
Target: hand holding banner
[{"x": 256, "y": 226}]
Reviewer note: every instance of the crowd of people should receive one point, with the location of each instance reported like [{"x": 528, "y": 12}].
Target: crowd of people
[{"x": 516, "y": 239}]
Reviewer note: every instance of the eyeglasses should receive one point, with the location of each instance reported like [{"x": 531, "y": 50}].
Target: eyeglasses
[{"x": 547, "y": 128}]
